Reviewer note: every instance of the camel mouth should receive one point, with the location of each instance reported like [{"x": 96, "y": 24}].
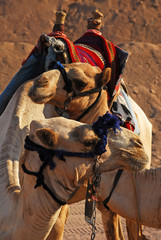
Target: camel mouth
[
  {"x": 136, "y": 162},
  {"x": 130, "y": 162},
  {"x": 137, "y": 165},
  {"x": 39, "y": 98}
]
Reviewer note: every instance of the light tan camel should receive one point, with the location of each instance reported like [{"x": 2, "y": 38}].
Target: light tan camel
[
  {"x": 29, "y": 212},
  {"x": 48, "y": 88},
  {"x": 123, "y": 199}
]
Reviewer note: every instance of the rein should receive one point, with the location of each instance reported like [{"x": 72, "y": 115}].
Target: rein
[
  {"x": 68, "y": 87},
  {"x": 117, "y": 177},
  {"x": 46, "y": 156},
  {"x": 90, "y": 107}
]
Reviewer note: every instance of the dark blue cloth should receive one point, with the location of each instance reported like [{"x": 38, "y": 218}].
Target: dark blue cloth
[{"x": 33, "y": 67}]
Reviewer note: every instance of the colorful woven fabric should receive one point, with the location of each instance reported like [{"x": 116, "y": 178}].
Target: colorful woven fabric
[
  {"x": 92, "y": 56},
  {"x": 95, "y": 40},
  {"x": 83, "y": 53},
  {"x": 107, "y": 49}
]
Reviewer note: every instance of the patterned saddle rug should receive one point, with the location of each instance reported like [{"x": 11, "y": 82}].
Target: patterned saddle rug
[{"x": 83, "y": 53}]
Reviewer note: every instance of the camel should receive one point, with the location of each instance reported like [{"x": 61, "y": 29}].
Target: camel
[
  {"x": 31, "y": 208},
  {"x": 148, "y": 183},
  {"x": 48, "y": 88}
]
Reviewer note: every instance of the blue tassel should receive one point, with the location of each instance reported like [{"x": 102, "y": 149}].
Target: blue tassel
[{"x": 101, "y": 126}]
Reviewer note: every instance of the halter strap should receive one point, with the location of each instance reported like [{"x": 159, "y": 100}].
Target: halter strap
[
  {"x": 40, "y": 181},
  {"x": 68, "y": 83},
  {"x": 68, "y": 88},
  {"x": 62, "y": 111},
  {"x": 30, "y": 145},
  {"x": 90, "y": 107},
  {"x": 46, "y": 156},
  {"x": 117, "y": 177}
]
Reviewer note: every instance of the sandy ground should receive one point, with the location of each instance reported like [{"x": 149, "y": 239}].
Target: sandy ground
[
  {"x": 78, "y": 229},
  {"x": 134, "y": 25}
]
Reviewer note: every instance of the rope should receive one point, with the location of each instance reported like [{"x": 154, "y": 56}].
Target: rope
[
  {"x": 40, "y": 182},
  {"x": 90, "y": 107}
]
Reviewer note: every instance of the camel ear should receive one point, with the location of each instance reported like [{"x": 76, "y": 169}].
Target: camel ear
[
  {"x": 47, "y": 137},
  {"x": 104, "y": 77}
]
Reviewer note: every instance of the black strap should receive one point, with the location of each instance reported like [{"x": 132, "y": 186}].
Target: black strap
[
  {"x": 46, "y": 154},
  {"x": 88, "y": 109},
  {"x": 40, "y": 182},
  {"x": 68, "y": 83},
  {"x": 46, "y": 157},
  {"x": 117, "y": 177},
  {"x": 63, "y": 111}
]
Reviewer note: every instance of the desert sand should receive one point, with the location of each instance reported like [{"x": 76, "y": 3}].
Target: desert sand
[{"x": 134, "y": 25}]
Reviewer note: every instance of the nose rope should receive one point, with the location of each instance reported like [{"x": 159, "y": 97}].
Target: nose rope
[{"x": 86, "y": 93}]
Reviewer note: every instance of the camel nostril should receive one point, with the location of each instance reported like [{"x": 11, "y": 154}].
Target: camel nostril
[
  {"x": 139, "y": 142},
  {"x": 30, "y": 93}
]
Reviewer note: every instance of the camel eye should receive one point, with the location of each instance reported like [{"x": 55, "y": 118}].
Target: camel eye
[
  {"x": 79, "y": 84},
  {"x": 75, "y": 135},
  {"x": 91, "y": 143},
  {"x": 43, "y": 84},
  {"x": 58, "y": 47},
  {"x": 40, "y": 84}
]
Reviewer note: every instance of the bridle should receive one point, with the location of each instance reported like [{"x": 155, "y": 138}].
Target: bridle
[
  {"x": 46, "y": 156},
  {"x": 100, "y": 128},
  {"x": 74, "y": 95}
]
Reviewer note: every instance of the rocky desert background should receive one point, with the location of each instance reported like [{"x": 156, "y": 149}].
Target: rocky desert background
[{"x": 135, "y": 25}]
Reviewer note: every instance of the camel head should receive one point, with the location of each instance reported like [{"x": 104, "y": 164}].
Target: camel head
[
  {"x": 51, "y": 87},
  {"x": 67, "y": 141},
  {"x": 126, "y": 151},
  {"x": 64, "y": 173}
]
